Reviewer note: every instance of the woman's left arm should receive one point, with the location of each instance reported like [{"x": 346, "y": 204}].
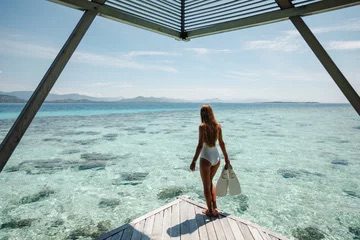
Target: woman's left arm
[{"x": 198, "y": 149}]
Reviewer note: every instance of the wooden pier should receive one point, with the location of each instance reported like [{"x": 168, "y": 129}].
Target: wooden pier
[{"x": 183, "y": 219}]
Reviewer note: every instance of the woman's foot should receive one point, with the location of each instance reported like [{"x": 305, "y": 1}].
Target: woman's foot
[
  {"x": 211, "y": 213},
  {"x": 215, "y": 212},
  {"x": 207, "y": 212}
]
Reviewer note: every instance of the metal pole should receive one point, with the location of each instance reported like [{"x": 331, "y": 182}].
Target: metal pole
[
  {"x": 183, "y": 34},
  {"x": 327, "y": 62},
  {"x": 323, "y": 56},
  {"x": 23, "y": 121}
]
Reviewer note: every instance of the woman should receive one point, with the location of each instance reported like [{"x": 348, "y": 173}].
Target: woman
[{"x": 209, "y": 132}]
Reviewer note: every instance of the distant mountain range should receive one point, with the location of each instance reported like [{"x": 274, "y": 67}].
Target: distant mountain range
[
  {"x": 10, "y": 99},
  {"x": 23, "y": 96}
]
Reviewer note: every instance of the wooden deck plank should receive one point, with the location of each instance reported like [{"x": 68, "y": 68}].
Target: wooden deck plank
[
  {"x": 157, "y": 228},
  {"x": 184, "y": 221},
  {"x": 237, "y": 219},
  {"x": 138, "y": 230},
  {"x": 155, "y": 211},
  {"x": 218, "y": 228},
  {"x": 254, "y": 231},
  {"x": 210, "y": 227},
  {"x": 276, "y": 235},
  {"x": 166, "y": 224},
  {"x": 194, "y": 229},
  {"x": 226, "y": 227},
  {"x": 264, "y": 235},
  {"x": 245, "y": 231},
  {"x": 201, "y": 223},
  {"x": 274, "y": 238},
  {"x": 149, "y": 222},
  {"x": 235, "y": 229},
  {"x": 175, "y": 222}
]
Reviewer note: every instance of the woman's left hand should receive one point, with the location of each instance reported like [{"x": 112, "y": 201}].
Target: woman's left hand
[{"x": 192, "y": 166}]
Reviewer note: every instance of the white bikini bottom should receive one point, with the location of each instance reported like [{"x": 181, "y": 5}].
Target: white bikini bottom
[{"x": 211, "y": 154}]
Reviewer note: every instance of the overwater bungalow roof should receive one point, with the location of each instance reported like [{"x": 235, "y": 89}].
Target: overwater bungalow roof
[
  {"x": 188, "y": 19},
  {"x": 183, "y": 20}
]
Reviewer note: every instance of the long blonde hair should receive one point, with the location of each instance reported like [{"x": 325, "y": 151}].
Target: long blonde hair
[{"x": 210, "y": 124}]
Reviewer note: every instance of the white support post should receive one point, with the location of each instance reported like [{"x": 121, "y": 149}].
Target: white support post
[{"x": 23, "y": 121}]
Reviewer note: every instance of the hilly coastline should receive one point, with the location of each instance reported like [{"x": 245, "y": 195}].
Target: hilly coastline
[
  {"x": 10, "y": 99},
  {"x": 23, "y": 96}
]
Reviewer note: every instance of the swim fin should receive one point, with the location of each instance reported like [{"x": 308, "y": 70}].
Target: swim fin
[
  {"x": 234, "y": 184},
  {"x": 222, "y": 183}
]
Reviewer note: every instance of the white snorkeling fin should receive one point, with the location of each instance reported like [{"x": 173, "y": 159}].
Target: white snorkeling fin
[
  {"x": 222, "y": 183},
  {"x": 234, "y": 184}
]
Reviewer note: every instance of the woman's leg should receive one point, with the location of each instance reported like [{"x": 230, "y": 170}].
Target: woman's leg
[
  {"x": 213, "y": 170},
  {"x": 205, "y": 166}
]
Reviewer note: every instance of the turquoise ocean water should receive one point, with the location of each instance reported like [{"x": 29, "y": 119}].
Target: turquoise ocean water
[{"x": 83, "y": 168}]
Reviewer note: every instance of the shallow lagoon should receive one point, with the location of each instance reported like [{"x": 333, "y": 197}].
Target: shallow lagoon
[{"x": 81, "y": 169}]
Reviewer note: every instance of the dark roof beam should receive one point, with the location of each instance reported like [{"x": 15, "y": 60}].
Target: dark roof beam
[
  {"x": 270, "y": 17},
  {"x": 143, "y": 11},
  {"x": 217, "y": 8},
  {"x": 121, "y": 16},
  {"x": 236, "y": 14}
]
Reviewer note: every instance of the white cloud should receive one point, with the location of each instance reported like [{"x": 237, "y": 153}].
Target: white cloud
[
  {"x": 46, "y": 52},
  {"x": 205, "y": 51},
  {"x": 108, "y": 60},
  {"x": 294, "y": 74},
  {"x": 1, "y": 72},
  {"x": 343, "y": 45},
  {"x": 289, "y": 41},
  {"x": 351, "y": 25},
  {"x": 26, "y": 49},
  {"x": 303, "y": 75},
  {"x": 246, "y": 75}
]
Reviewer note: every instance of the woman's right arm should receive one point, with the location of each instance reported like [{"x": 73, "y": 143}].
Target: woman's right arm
[
  {"x": 198, "y": 148},
  {"x": 223, "y": 148}
]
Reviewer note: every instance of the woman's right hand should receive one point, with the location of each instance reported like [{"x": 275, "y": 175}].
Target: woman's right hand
[
  {"x": 192, "y": 166},
  {"x": 227, "y": 164}
]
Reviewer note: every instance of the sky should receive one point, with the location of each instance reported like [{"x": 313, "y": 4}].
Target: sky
[{"x": 266, "y": 63}]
